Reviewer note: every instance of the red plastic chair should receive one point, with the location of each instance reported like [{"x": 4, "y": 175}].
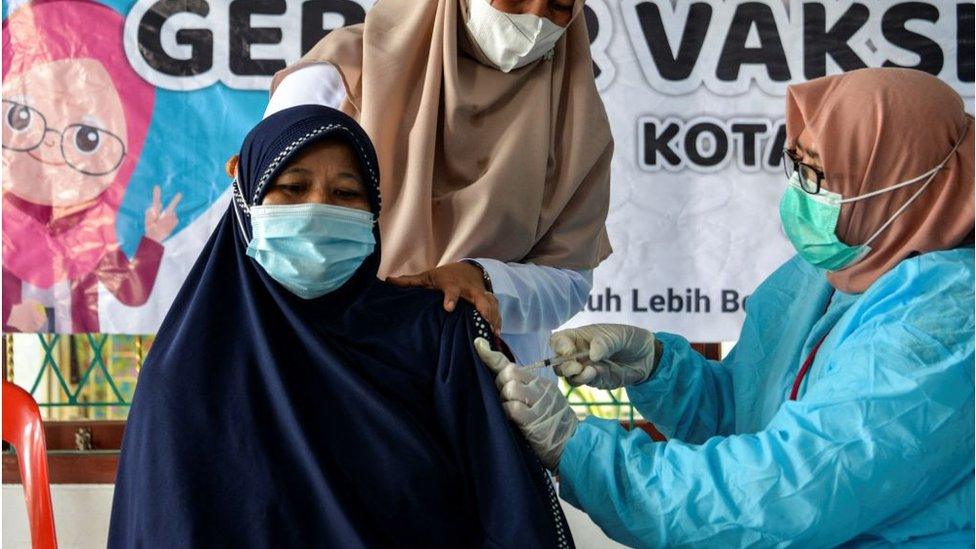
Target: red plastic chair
[{"x": 22, "y": 428}]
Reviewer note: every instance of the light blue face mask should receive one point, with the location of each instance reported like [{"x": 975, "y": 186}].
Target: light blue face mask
[
  {"x": 810, "y": 220},
  {"x": 310, "y": 249}
]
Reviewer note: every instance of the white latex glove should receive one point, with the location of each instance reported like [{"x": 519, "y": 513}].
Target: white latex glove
[
  {"x": 619, "y": 355},
  {"x": 535, "y": 404}
]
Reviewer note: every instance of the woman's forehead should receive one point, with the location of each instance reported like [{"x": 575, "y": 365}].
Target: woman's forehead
[{"x": 324, "y": 153}]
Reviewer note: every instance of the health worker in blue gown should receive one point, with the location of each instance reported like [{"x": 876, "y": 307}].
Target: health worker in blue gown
[{"x": 844, "y": 415}]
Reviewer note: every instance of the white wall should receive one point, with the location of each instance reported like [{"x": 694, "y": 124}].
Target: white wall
[{"x": 81, "y": 514}]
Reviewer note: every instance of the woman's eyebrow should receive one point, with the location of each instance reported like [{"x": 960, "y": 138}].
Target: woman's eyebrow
[{"x": 807, "y": 152}]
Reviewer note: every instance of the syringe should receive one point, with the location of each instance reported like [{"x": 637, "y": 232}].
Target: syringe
[{"x": 556, "y": 361}]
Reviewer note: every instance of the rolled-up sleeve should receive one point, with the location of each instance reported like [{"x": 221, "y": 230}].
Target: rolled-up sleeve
[{"x": 534, "y": 298}]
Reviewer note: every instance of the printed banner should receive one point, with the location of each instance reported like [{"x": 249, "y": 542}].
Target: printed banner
[
  {"x": 119, "y": 115},
  {"x": 696, "y": 96}
]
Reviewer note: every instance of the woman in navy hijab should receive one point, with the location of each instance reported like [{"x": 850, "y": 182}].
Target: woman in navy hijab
[{"x": 292, "y": 399}]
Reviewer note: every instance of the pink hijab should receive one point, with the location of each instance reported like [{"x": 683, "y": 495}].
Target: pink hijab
[
  {"x": 40, "y": 245},
  {"x": 875, "y": 128}
]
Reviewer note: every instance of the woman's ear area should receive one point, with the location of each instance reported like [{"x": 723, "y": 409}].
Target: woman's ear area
[{"x": 231, "y": 166}]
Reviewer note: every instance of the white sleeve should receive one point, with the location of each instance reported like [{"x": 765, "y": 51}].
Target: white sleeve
[
  {"x": 533, "y": 298},
  {"x": 318, "y": 84}
]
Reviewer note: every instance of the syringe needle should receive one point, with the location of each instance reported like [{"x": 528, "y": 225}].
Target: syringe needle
[{"x": 555, "y": 361}]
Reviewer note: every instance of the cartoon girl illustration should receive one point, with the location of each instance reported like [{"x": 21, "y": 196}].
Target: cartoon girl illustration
[{"x": 75, "y": 116}]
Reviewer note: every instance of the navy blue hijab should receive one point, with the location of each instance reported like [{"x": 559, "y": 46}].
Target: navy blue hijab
[{"x": 359, "y": 419}]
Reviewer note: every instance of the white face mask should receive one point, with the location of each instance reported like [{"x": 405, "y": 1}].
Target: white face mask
[{"x": 509, "y": 40}]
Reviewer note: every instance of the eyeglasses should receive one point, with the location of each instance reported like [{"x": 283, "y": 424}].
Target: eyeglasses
[
  {"x": 808, "y": 174},
  {"x": 85, "y": 148}
]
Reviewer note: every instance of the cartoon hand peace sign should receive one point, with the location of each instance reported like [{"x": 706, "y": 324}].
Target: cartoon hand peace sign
[{"x": 159, "y": 222}]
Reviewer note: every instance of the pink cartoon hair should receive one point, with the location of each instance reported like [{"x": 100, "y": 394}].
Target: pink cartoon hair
[{"x": 79, "y": 29}]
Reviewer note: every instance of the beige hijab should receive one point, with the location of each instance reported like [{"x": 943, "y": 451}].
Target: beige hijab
[
  {"x": 875, "y": 128},
  {"x": 476, "y": 162}
]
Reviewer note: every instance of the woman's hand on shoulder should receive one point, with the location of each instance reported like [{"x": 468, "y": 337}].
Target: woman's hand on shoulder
[{"x": 457, "y": 280}]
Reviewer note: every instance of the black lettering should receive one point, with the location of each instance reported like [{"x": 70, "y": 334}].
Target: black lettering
[
  {"x": 895, "y": 31},
  {"x": 674, "y": 298},
  {"x": 730, "y": 301},
  {"x": 749, "y": 142},
  {"x": 200, "y": 41},
  {"x": 674, "y": 66},
  {"x": 312, "y": 12},
  {"x": 818, "y": 42},
  {"x": 776, "y": 149},
  {"x": 702, "y": 302},
  {"x": 718, "y": 136},
  {"x": 609, "y": 301},
  {"x": 965, "y": 29},
  {"x": 243, "y": 36},
  {"x": 635, "y": 302},
  {"x": 654, "y": 144},
  {"x": 657, "y": 303},
  {"x": 770, "y": 51}
]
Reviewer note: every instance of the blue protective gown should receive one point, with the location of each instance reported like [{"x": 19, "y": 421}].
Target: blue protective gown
[{"x": 877, "y": 450}]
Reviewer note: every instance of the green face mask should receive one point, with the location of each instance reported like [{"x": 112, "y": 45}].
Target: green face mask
[{"x": 810, "y": 222}]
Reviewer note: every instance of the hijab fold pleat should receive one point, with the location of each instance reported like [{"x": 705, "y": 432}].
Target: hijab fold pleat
[
  {"x": 875, "y": 128},
  {"x": 476, "y": 162}
]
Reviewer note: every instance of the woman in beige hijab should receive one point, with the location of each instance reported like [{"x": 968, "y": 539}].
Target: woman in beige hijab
[
  {"x": 844, "y": 415},
  {"x": 494, "y": 147}
]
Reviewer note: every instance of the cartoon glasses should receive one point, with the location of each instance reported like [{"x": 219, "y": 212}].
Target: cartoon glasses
[{"x": 87, "y": 149}]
